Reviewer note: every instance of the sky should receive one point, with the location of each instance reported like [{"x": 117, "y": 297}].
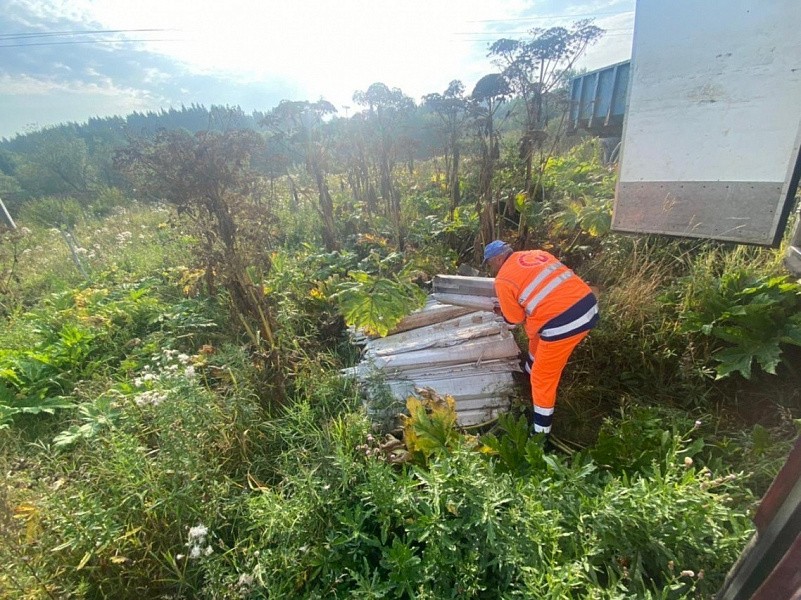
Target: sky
[{"x": 70, "y": 60}]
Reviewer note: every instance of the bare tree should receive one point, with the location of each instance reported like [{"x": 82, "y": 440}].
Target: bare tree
[
  {"x": 534, "y": 68},
  {"x": 208, "y": 177},
  {"x": 452, "y": 108},
  {"x": 387, "y": 111},
  {"x": 299, "y": 125},
  {"x": 488, "y": 95}
]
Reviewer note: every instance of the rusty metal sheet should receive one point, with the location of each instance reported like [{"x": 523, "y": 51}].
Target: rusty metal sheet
[
  {"x": 770, "y": 543},
  {"x": 780, "y": 488},
  {"x": 784, "y": 582}
]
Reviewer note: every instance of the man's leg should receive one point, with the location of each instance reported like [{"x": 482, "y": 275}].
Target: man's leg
[{"x": 550, "y": 359}]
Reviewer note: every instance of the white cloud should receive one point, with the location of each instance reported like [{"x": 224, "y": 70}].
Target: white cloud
[
  {"x": 154, "y": 75},
  {"x": 24, "y": 85},
  {"x": 324, "y": 48},
  {"x": 300, "y": 49},
  {"x": 615, "y": 46},
  {"x": 49, "y": 102}
]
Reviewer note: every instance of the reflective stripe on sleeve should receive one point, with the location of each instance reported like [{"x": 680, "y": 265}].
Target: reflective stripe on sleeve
[
  {"x": 538, "y": 280},
  {"x": 556, "y": 281}
]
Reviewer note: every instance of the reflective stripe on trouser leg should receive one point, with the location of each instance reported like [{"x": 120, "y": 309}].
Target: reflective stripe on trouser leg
[
  {"x": 529, "y": 361},
  {"x": 542, "y": 419},
  {"x": 551, "y": 358}
]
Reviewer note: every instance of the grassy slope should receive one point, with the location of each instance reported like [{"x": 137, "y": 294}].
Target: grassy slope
[{"x": 177, "y": 449}]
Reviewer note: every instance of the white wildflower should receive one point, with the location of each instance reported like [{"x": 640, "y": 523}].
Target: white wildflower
[
  {"x": 180, "y": 556},
  {"x": 197, "y": 541},
  {"x": 81, "y": 251},
  {"x": 245, "y": 580},
  {"x": 152, "y": 397},
  {"x": 24, "y": 231},
  {"x": 687, "y": 573},
  {"x": 688, "y": 462},
  {"x": 183, "y": 359},
  {"x": 198, "y": 533},
  {"x": 190, "y": 372}
]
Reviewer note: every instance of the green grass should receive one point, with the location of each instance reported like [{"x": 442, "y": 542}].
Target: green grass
[{"x": 178, "y": 473}]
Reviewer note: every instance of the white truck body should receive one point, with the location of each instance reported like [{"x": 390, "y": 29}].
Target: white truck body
[{"x": 712, "y": 128}]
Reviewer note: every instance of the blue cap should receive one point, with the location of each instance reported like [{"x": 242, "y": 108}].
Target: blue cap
[{"x": 496, "y": 248}]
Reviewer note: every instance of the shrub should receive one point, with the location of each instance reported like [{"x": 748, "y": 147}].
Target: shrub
[
  {"x": 749, "y": 316},
  {"x": 344, "y": 522}
]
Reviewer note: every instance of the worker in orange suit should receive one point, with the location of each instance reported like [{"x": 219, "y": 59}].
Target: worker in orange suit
[{"x": 558, "y": 309}]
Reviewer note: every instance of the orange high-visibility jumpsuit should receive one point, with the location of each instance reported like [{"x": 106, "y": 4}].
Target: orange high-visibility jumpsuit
[{"x": 558, "y": 308}]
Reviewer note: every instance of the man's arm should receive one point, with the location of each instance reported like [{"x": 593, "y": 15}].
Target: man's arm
[{"x": 510, "y": 309}]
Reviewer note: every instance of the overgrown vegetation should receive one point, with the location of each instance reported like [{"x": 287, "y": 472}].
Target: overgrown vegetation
[{"x": 173, "y": 422}]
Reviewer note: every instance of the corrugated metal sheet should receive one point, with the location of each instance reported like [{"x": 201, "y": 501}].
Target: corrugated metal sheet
[
  {"x": 459, "y": 284},
  {"x": 460, "y": 349}
]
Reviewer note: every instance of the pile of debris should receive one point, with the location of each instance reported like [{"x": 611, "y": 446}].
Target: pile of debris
[{"x": 455, "y": 345}]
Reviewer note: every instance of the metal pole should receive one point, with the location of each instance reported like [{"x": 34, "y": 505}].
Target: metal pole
[
  {"x": 6, "y": 216},
  {"x": 793, "y": 257}
]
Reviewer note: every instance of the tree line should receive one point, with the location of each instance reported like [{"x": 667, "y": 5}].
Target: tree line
[{"x": 304, "y": 143}]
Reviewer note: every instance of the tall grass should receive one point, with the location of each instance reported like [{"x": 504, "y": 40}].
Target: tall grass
[{"x": 176, "y": 474}]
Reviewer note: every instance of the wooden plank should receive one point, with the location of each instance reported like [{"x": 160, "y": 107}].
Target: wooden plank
[
  {"x": 465, "y": 418},
  {"x": 460, "y": 284}
]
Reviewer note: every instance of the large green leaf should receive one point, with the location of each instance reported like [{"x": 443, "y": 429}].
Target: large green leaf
[
  {"x": 740, "y": 358},
  {"x": 376, "y": 304}
]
